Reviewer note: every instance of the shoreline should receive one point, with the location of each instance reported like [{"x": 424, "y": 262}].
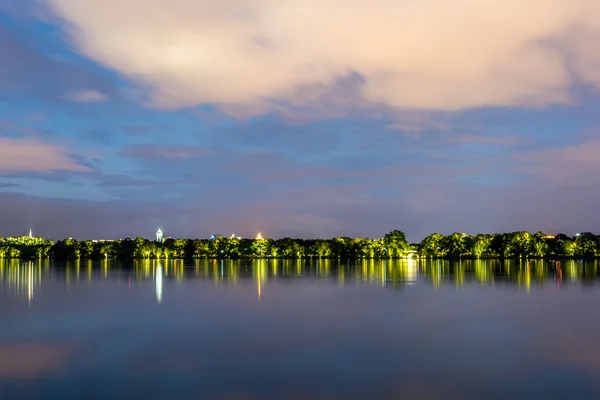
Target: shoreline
[
  {"x": 308, "y": 258},
  {"x": 457, "y": 246}
]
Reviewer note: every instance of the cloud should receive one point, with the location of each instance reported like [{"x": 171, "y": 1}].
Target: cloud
[
  {"x": 149, "y": 151},
  {"x": 474, "y": 139},
  {"x": 576, "y": 164},
  {"x": 24, "y": 8},
  {"x": 8, "y": 185},
  {"x": 26, "y": 72},
  {"x": 253, "y": 56},
  {"x": 124, "y": 180},
  {"x": 414, "y": 122},
  {"x": 17, "y": 156},
  {"x": 248, "y": 200},
  {"x": 87, "y": 96},
  {"x": 146, "y": 129}
]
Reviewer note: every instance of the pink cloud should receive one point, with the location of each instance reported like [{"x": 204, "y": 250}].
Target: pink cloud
[
  {"x": 575, "y": 164},
  {"x": 159, "y": 151},
  {"x": 410, "y": 55},
  {"x": 87, "y": 96},
  {"x": 500, "y": 141},
  {"x": 35, "y": 156}
]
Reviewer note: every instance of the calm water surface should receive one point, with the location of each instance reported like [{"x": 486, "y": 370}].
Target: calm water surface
[{"x": 300, "y": 330}]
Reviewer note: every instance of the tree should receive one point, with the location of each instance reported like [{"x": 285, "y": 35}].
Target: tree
[
  {"x": 431, "y": 246},
  {"x": 363, "y": 248},
  {"x": 322, "y": 249},
  {"x": 379, "y": 248},
  {"x": 198, "y": 248},
  {"x": 521, "y": 243},
  {"x": 454, "y": 245},
  {"x": 340, "y": 247},
  {"x": 289, "y": 248},
  {"x": 568, "y": 247},
  {"x": 540, "y": 248},
  {"x": 179, "y": 246},
  {"x": 260, "y": 248},
  {"x": 587, "y": 244},
  {"x": 141, "y": 250},
  {"x": 393, "y": 245},
  {"x": 480, "y": 245},
  {"x": 63, "y": 250},
  {"x": 396, "y": 243},
  {"x": 86, "y": 249}
]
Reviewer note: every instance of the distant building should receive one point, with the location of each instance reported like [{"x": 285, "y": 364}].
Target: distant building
[
  {"x": 159, "y": 236},
  {"x": 214, "y": 236},
  {"x": 259, "y": 236},
  {"x": 30, "y": 234}
]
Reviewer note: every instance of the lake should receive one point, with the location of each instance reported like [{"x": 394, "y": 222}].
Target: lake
[{"x": 300, "y": 330}]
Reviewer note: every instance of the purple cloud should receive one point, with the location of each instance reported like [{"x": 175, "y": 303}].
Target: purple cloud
[
  {"x": 149, "y": 151},
  {"x": 28, "y": 72},
  {"x": 31, "y": 156},
  {"x": 353, "y": 141},
  {"x": 8, "y": 185}
]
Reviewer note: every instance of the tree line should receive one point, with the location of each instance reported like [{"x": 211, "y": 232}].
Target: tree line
[{"x": 392, "y": 245}]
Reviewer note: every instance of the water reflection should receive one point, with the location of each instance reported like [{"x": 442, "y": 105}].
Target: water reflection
[
  {"x": 22, "y": 279},
  {"x": 25, "y": 279},
  {"x": 318, "y": 329},
  {"x": 158, "y": 279}
]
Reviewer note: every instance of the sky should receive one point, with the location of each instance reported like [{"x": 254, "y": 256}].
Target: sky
[{"x": 301, "y": 118}]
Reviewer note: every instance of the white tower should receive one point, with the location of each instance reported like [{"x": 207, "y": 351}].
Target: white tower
[
  {"x": 159, "y": 236},
  {"x": 30, "y": 234}
]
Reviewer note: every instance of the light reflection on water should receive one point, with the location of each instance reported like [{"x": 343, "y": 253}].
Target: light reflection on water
[
  {"x": 300, "y": 329},
  {"x": 23, "y": 278}
]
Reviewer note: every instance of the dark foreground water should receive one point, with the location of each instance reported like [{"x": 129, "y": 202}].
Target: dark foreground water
[{"x": 300, "y": 330}]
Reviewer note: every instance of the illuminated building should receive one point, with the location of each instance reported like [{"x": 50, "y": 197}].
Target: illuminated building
[
  {"x": 159, "y": 236},
  {"x": 259, "y": 236},
  {"x": 30, "y": 234}
]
